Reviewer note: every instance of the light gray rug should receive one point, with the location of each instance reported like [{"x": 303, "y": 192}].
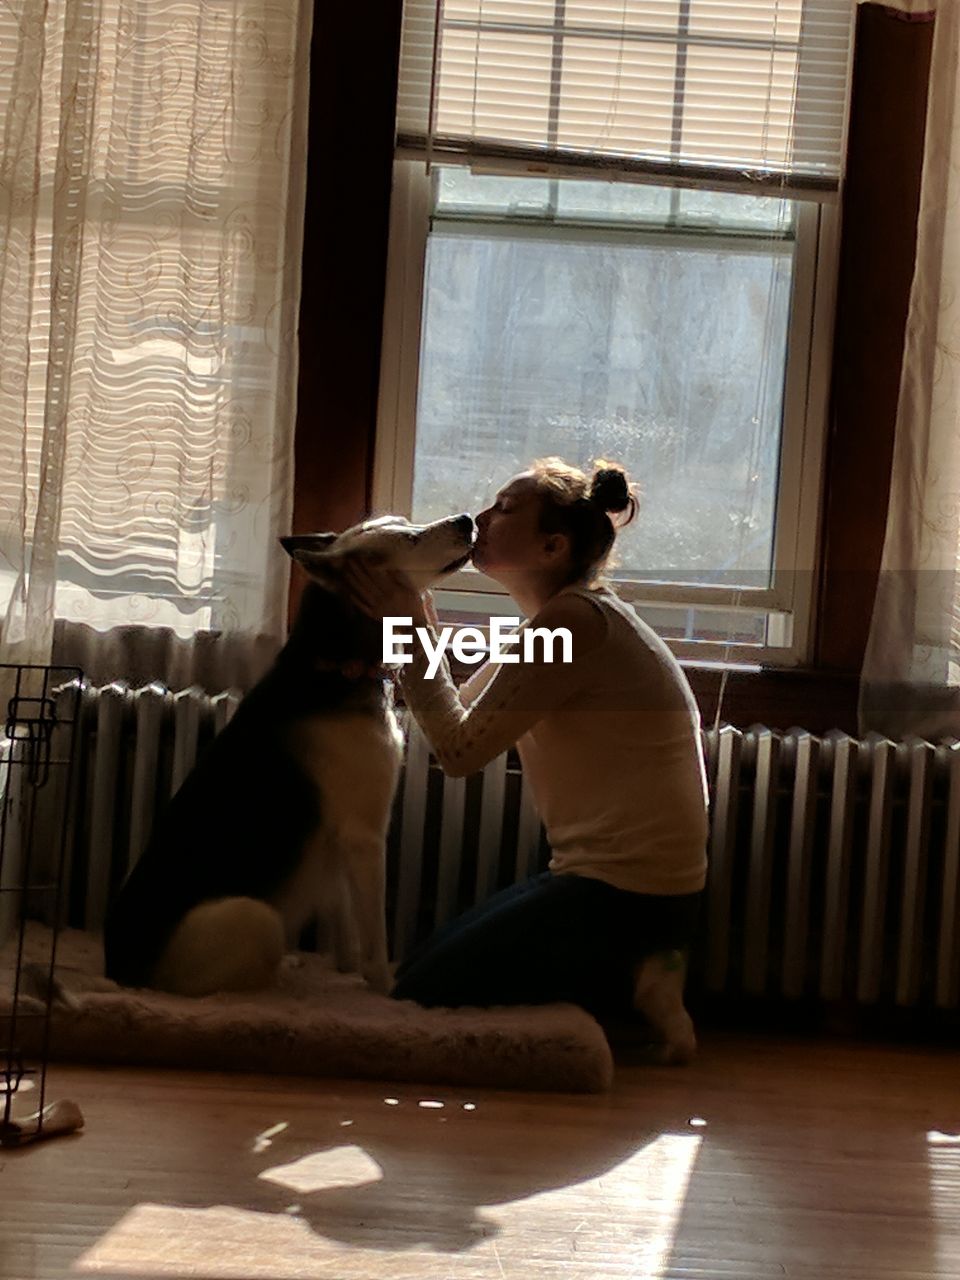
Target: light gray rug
[{"x": 316, "y": 1023}]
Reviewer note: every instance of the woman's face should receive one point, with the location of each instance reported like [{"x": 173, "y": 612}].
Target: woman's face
[{"x": 509, "y": 538}]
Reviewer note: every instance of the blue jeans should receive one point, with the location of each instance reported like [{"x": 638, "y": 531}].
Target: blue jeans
[{"x": 553, "y": 937}]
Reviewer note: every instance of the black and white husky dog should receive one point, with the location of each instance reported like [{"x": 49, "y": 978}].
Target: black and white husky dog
[{"x": 289, "y": 807}]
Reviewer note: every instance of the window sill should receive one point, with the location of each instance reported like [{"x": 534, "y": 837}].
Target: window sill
[{"x": 779, "y": 697}]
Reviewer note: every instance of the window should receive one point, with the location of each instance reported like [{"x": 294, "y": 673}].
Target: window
[{"x": 625, "y": 246}]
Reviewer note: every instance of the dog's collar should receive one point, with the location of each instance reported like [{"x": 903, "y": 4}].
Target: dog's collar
[{"x": 356, "y": 669}]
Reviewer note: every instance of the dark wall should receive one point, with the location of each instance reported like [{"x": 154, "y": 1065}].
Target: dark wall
[
  {"x": 881, "y": 195},
  {"x": 348, "y": 191},
  {"x": 351, "y": 137}
]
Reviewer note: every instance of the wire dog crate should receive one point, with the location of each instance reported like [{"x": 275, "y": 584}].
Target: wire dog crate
[{"x": 39, "y": 707}]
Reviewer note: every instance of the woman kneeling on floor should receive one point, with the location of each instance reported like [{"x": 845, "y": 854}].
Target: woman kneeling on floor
[{"x": 610, "y": 744}]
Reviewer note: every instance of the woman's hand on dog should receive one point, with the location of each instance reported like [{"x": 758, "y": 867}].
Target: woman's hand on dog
[{"x": 387, "y": 593}]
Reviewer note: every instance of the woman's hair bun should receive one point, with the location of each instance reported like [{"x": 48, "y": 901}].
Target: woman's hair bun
[{"x": 609, "y": 488}]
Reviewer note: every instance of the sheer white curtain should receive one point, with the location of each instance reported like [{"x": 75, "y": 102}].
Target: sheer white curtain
[
  {"x": 151, "y": 204},
  {"x": 911, "y": 677}
]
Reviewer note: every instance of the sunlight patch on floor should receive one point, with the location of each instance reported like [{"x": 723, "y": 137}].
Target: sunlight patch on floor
[
  {"x": 622, "y": 1222},
  {"x": 325, "y": 1170},
  {"x": 264, "y": 1140},
  {"x": 943, "y": 1158}
]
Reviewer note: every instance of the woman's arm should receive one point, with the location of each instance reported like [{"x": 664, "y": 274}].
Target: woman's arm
[
  {"x": 471, "y": 688},
  {"x": 515, "y": 697}
]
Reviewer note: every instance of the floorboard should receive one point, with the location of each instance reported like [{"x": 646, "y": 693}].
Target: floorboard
[{"x": 766, "y": 1158}]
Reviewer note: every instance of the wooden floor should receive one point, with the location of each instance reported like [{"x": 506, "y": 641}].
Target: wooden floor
[{"x": 765, "y": 1159}]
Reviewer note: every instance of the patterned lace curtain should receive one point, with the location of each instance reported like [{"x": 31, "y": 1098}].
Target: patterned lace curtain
[
  {"x": 911, "y": 675},
  {"x": 151, "y": 205}
]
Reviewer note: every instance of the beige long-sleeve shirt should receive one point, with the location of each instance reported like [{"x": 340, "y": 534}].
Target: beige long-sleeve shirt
[{"x": 610, "y": 743}]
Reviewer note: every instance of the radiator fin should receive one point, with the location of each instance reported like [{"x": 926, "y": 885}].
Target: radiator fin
[
  {"x": 414, "y": 792},
  {"x": 760, "y": 876},
  {"x": 113, "y": 702},
  {"x": 726, "y": 754},
  {"x": 151, "y": 705},
  {"x": 800, "y": 863},
  {"x": 842, "y": 807},
  {"x": 492, "y": 808},
  {"x": 882, "y": 755},
  {"x": 915, "y": 870},
  {"x": 451, "y": 845}
]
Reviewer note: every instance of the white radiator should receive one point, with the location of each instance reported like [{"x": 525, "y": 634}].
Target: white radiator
[
  {"x": 834, "y": 868},
  {"x": 834, "y": 863}
]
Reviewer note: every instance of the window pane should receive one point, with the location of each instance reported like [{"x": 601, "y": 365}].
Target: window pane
[
  {"x": 721, "y": 627},
  {"x": 627, "y": 202},
  {"x": 459, "y": 193},
  {"x": 667, "y": 358},
  {"x": 729, "y": 210}
]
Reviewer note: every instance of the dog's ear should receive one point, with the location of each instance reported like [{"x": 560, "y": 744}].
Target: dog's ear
[
  {"x": 315, "y": 552},
  {"x": 295, "y": 542}
]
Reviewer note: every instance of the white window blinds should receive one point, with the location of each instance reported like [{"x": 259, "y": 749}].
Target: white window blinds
[{"x": 745, "y": 92}]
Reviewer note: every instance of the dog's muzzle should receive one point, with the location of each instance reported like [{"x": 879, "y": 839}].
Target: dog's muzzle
[{"x": 464, "y": 525}]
